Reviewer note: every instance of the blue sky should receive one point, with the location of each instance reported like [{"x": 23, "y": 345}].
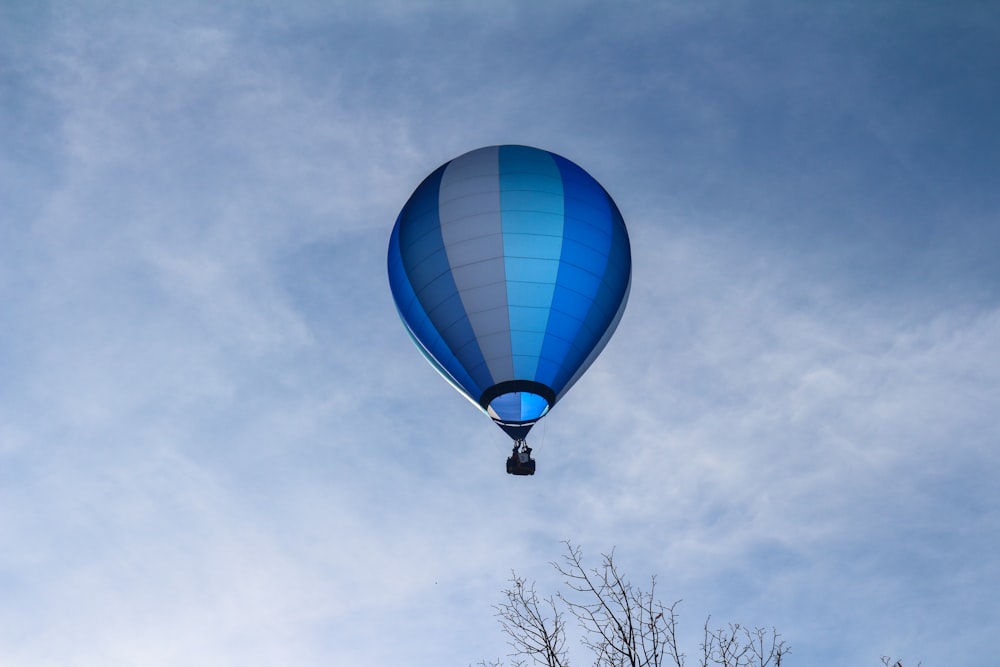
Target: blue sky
[{"x": 218, "y": 446}]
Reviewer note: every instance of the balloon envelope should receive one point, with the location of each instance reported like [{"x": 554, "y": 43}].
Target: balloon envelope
[{"x": 510, "y": 267}]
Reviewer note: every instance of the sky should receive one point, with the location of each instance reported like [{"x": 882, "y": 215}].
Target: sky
[{"x": 219, "y": 447}]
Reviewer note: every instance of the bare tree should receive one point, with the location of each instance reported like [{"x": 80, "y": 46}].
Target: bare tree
[
  {"x": 889, "y": 662},
  {"x": 536, "y": 627},
  {"x": 736, "y": 646},
  {"x": 621, "y": 624}
]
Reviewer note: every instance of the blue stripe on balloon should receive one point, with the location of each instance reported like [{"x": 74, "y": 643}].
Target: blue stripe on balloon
[
  {"x": 586, "y": 249},
  {"x": 531, "y": 197},
  {"x": 609, "y": 301},
  {"x": 420, "y": 328}
]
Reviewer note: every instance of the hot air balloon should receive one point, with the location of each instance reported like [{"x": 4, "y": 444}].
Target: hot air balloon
[{"x": 510, "y": 267}]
